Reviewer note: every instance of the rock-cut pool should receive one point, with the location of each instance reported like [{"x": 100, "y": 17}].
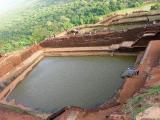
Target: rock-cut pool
[{"x": 77, "y": 81}]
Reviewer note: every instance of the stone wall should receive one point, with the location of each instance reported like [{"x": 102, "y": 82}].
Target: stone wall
[
  {"x": 14, "y": 68},
  {"x": 11, "y": 61},
  {"x": 100, "y": 39},
  {"x": 150, "y": 60}
]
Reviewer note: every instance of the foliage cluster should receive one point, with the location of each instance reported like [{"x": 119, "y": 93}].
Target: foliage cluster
[
  {"x": 156, "y": 7},
  {"x": 32, "y": 23}
]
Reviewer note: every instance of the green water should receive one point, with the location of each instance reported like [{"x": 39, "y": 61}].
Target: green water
[{"x": 78, "y": 81}]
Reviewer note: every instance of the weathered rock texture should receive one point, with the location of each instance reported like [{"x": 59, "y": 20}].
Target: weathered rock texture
[{"x": 105, "y": 38}]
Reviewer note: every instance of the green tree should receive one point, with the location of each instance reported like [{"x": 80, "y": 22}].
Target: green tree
[{"x": 39, "y": 33}]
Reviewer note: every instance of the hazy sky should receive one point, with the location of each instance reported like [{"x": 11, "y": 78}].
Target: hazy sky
[{"x": 6, "y": 5}]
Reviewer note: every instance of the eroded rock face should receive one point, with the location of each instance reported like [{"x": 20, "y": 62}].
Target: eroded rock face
[
  {"x": 11, "y": 61},
  {"x": 6, "y": 114},
  {"x": 119, "y": 117},
  {"x": 154, "y": 78},
  {"x": 75, "y": 113}
]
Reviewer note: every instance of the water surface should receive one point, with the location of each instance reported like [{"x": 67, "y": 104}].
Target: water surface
[{"x": 79, "y": 81}]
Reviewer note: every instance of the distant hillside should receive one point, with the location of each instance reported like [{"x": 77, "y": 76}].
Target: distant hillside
[
  {"x": 49, "y": 2},
  {"x": 36, "y": 19}
]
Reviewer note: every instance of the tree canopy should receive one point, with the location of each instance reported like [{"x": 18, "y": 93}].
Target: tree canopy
[{"x": 32, "y": 23}]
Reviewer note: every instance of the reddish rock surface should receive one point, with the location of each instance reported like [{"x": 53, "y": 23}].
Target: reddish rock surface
[
  {"x": 11, "y": 61},
  {"x": 81, "y": 114},
  {"x": 6, "y": 114},
  {"x": 102, "y": 38}
]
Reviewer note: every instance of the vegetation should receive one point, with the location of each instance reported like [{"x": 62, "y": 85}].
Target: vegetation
[
  {"x": 137, "y": 104},
  {"x": 32, "y": 23},
  {"x": 156, "y": 7}
]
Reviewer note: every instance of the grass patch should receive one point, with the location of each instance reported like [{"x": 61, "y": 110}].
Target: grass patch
[
  {"x": 137, "y": 104},
  {"x": 144, "y": 7}
]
